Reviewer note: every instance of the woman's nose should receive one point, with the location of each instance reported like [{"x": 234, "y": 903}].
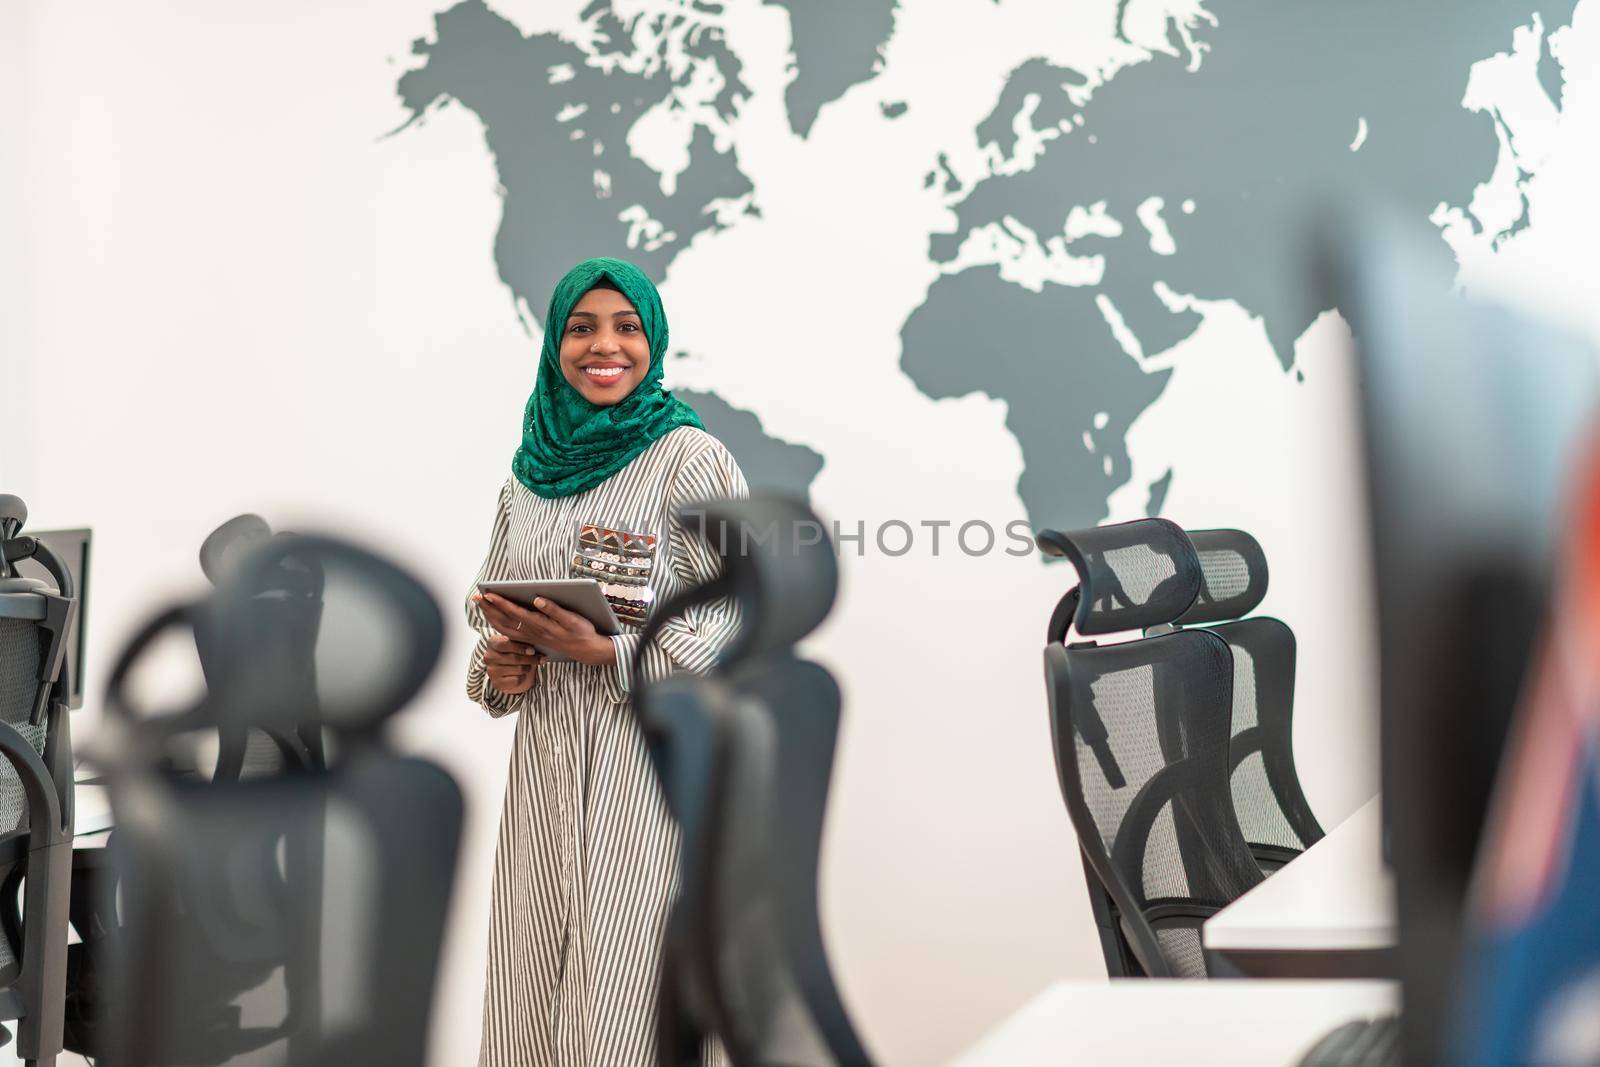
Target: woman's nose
[{"x": 604, "y": 345}]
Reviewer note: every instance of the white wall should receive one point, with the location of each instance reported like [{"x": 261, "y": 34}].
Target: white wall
[{"x": 226, "y": 292}]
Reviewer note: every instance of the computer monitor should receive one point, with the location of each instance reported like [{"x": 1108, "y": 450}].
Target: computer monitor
[
  {"x": 1472, "y": 414},
  {"x": 72, "y": 548}
]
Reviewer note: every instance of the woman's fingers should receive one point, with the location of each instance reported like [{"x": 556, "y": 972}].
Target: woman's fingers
[
  {"x": 510, "y": 619},
  {"x": 501, "y": 650},
  {"x": 550, "y": 625},
  {"x": 506, "y": 623},
  {"x": 512, "y": 682},
  {"x": 569, "y": 621},
  {"x": 502, "y": 623},
  {"x": 511, "y": 669},
  {"x": 541, "y": 630},
  {"x": 502, "y": 643}
]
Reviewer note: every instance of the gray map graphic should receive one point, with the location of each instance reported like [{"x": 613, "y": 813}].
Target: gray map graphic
[
  {"x": 836, "y": 44},
  {"x": 767, "y": 462},
  {"x": 1237, "y": 149},
  {"x": 1254, "y": 137},
  {"x": 556, "y": 119},
  {"x": 557, "y": 128}
]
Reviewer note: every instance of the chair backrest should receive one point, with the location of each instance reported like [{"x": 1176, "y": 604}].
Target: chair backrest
[
  {"x": 298, "y": 916},
  {"x": 21, "y": 648},
  {"x": 34, "y": 623},
  {"x": 1140, "y": 732},
  {"x": 1273, "y": 811},
  {"x": 35, "y": 783},
  {"x": 778, "y": 566},
  {"x": 746, "y": 758}
]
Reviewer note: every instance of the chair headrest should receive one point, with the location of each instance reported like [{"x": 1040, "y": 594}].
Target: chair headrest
[
  {"x": 1233, "y": 576},
  {"x": 1130, "y": 575},
  {"x": 302, "y": 631},
  {"x": 13, "y": 510},
  {"x": 224, "y": 545},
  {"x": 314, "y": 628},
  {"x": 778, "y": 565},
  {"x": 780, "y": 562}
]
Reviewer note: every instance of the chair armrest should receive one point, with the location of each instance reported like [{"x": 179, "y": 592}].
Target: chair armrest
[{"x": 37, "y": 787}]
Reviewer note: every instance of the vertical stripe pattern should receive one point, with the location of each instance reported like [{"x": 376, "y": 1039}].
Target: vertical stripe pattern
[{"x": 587, "y": 859}]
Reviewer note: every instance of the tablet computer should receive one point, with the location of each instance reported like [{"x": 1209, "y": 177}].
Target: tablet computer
[{"x": 581, "y": 595}]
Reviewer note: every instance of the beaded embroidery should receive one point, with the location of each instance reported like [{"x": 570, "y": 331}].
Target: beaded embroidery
[{"x": 622, "y": 562}]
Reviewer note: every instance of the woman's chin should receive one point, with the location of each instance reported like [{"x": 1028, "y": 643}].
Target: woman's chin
[
  {"x": 603, "y": 398},
  {"x": 606, "y": 395}
]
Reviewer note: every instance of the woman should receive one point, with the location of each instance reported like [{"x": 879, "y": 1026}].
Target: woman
[{"x": 587, "y": 857}]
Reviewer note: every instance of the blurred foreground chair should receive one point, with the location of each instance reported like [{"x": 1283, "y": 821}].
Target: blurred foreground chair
[
  {"x": 293, "y": 918},
  {"x": 1272, "y": 808},
  {"x": 1140, "y": 732},
  {"x": 746, "y": 755},
  {"x": 35, "y": 790},
  {"x": 231, "y": 750}
]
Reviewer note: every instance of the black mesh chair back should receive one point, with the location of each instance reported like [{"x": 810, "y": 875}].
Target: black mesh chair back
[
  {"x": 1140, "y": 732},
  {"x": 746, "y": 758},
  {"x": 35, "y": 788},
  {"x": 1273, "y": 811},
  {"x": 1131, "y": 575},
  {"x": 1233, "y": 576},
  {"x": 293, "y": 918}
]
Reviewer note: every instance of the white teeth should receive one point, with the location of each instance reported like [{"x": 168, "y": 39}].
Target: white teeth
[{"x": 603, "y": 372}]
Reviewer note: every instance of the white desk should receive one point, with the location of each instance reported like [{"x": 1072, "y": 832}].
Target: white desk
[
  {"x": 1329, "y": 913},
  {"x": 1140, "y": 1021},
  {"x": 91, "y": 812}
]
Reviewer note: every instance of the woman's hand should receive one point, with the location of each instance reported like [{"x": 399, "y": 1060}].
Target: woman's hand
[
  {"x": 512, "y": 666},
  {"x": 549, "y": 625}
]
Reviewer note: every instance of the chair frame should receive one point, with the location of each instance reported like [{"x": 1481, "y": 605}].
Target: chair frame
[{"x": 41, "y": 847}]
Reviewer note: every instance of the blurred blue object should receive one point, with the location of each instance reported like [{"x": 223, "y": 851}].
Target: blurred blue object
[
  {"x": 1473, "y": 415},
  {"x": 1533, "y": 962}
]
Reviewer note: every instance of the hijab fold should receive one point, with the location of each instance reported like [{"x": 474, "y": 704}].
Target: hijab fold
[{"x": 570, "y": 445}]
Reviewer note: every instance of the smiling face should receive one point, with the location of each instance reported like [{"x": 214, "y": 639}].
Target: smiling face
[{"x": 604, "y": 352}]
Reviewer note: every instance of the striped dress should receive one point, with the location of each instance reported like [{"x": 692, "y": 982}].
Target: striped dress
[{"x": 587, "y": 860}]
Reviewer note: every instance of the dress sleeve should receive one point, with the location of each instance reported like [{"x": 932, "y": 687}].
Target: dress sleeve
[
  {"x": 692, "y": 642},
  {"x": 494, "y": 567}
]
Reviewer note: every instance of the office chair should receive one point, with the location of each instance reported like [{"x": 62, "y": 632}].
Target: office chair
[
  {"x": 1140, "y": 735},
  {"x": 293, "y": 918},
  {"x": 1272, "y": 808},
  {"x": 745, "y": 756},
  {"x": 239, "y": 751},
  {"x": 35, "y": 790}
]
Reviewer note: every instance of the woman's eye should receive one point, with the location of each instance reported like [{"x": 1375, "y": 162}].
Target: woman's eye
[
  {"x": 578, "y": 327},
  {"x": 630, "y": 327}
]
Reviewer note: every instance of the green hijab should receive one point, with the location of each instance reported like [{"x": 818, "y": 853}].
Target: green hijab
[{"x": 570, "y": 445}]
